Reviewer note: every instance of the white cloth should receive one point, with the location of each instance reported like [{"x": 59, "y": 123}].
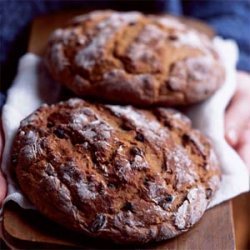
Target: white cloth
[{"x": 32, "y": 87}]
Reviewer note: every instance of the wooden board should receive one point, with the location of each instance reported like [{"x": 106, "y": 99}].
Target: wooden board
[
  {"x": 28, "y": 229},
  {"x": 241, "y": 217}
]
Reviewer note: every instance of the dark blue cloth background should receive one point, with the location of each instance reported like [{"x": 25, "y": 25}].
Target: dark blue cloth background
[{"x": 230, "y": 19}]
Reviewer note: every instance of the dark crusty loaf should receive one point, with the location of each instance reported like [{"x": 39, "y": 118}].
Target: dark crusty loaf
[
  {"x": 119, "y": 173},
  {"x": 132, "y": 58}
]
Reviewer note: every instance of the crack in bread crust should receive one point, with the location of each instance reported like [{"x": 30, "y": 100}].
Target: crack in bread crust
[
  {"x": 131, "y": 58},
  {"x": 115, "y": 172}
]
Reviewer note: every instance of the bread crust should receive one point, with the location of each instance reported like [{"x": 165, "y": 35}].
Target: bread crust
[
  {"x": 135, "y": 59},
  {"x": 119, "y": 173}
]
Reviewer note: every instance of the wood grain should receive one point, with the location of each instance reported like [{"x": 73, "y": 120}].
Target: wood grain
[
  {"x": 241, "y": 215},
  {"x": 28, "y": 229}
]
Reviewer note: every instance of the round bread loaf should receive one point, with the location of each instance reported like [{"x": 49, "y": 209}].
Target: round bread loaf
[
  {"x": 132, "y": 58},
  {"x": 118, "y": 173}
]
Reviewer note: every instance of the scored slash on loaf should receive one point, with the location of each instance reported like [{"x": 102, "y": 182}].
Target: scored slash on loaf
[
  {"x": 137, "y": 59},
  {"x": 115, "y": 172}
]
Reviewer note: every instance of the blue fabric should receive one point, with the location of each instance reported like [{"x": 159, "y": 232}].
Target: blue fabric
[
  {"x": 2, "y": 99},
  {"x": 173, "y": 6},
  {"x": 231, "y": 19}
]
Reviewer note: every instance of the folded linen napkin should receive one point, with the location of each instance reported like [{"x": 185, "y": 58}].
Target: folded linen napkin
[{"x": 33, "y": 86}]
